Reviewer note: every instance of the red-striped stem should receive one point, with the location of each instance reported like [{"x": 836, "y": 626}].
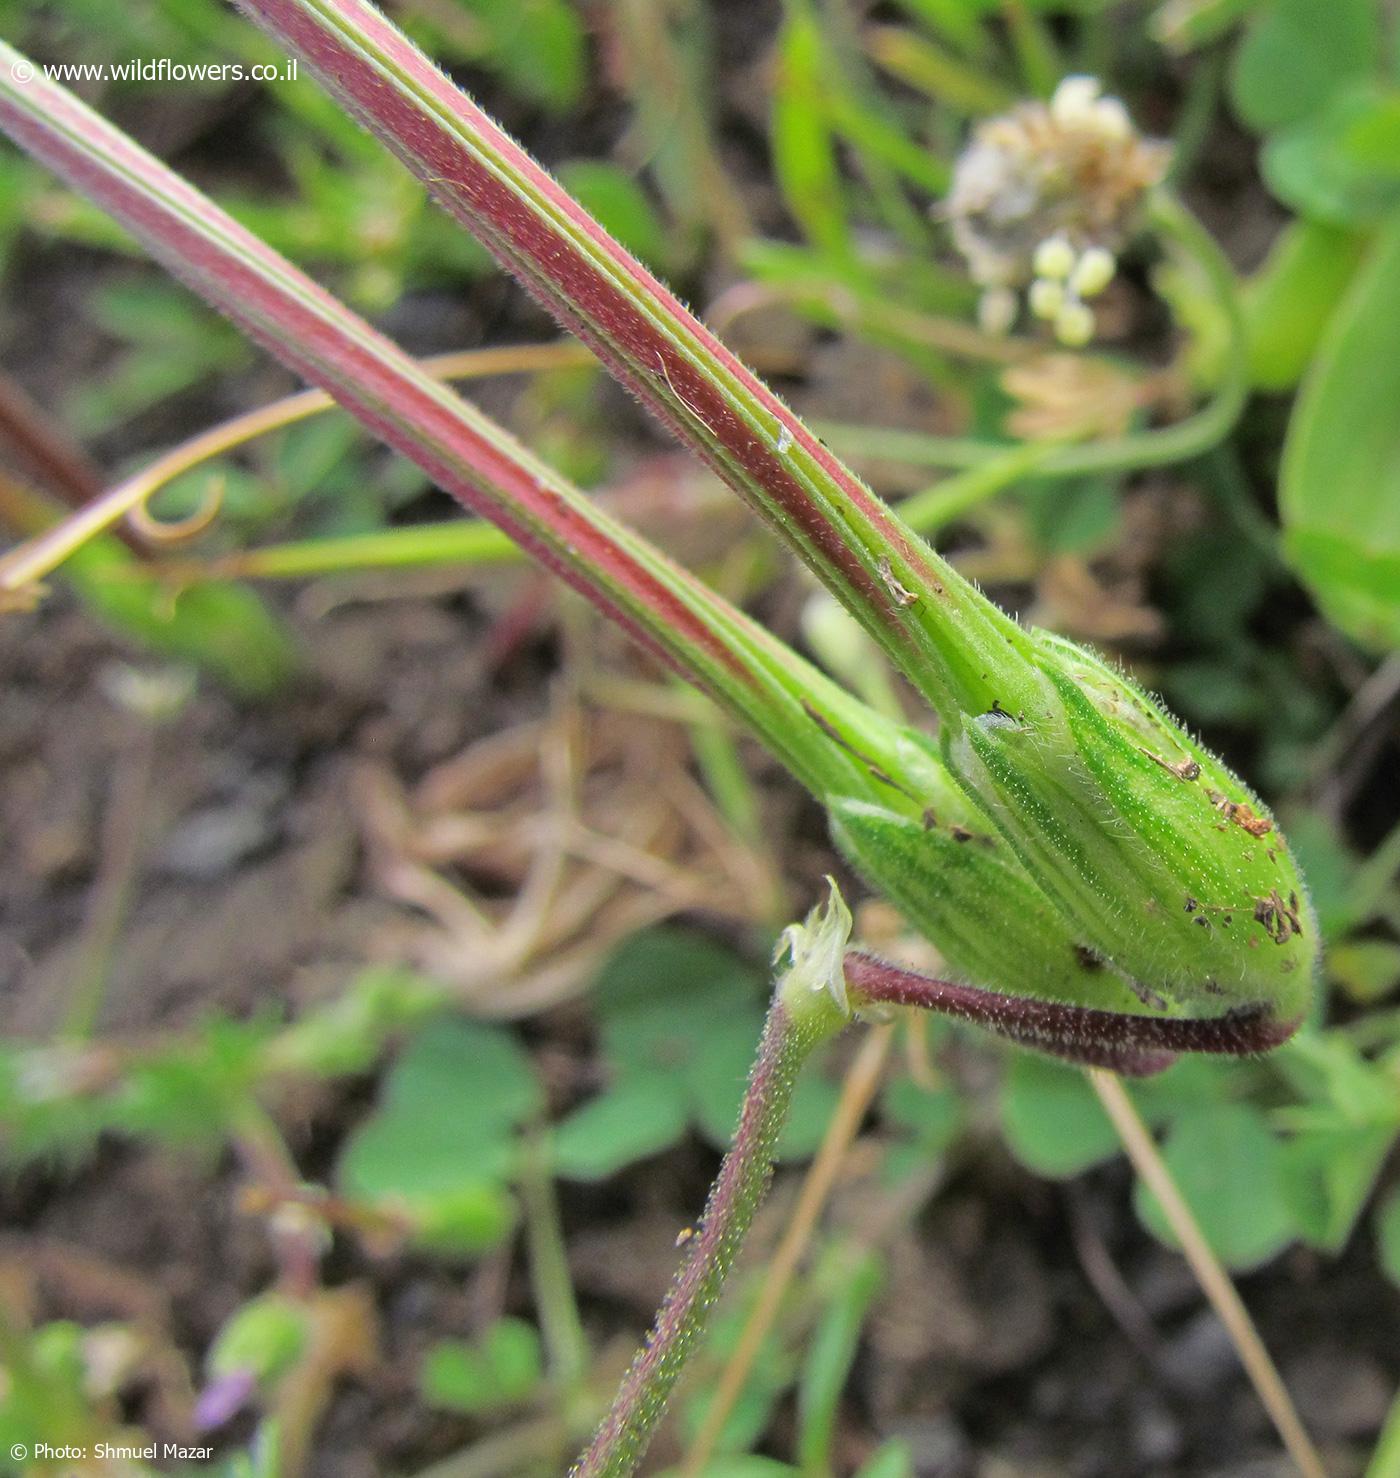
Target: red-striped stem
[
  {"x": 662, "y": 606},
  {"x": 958, "y": 649},
  {"x": 834, "y": 745}
]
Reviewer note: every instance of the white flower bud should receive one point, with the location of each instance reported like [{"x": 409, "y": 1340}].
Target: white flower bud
[
  {"x": 1046, "y": 298},
  {"x": 1093, "y": 272},
  {"x": 1074, "y": 324},
  {"x": 1075, "y": 100},
  {"x": 1054, "y": 258},
  {"x": 1111, "y": 119},
  {"x": 816, "y": 951}
]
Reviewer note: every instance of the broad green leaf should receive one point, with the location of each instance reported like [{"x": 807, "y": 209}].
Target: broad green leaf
[
  {"x": 1357, "y": 586},
  {"x": 659, "y": 993},
  {"x": 470, "y": 1219},
  {"x": 1297, "y": 53},
  {"x": 1328, "y": 1175},
  {"x": 643, "y": 1115},
  {"x": 502, "y": 1368},
  {"x": 1052, "y": 1121},
  {"x": 1343, "y": 164},
  {"x": 1229, "y": 1168},
  {"x": 1339, "y": 494},
  {"x": 1289, "y": 301},
  {"x": 440, "y": 1145},
  {"x": 1331, "y": 1077},
  {"x": 1192, "y": 1081},
  {"x": 415, "y": 1155},
  {"x": 464, "y": 1068},
  {"x": 1388, "y": 1235},
  {"x": 717, "y": 1074},
  {"x": 266, "y": 1335},
  {"x": 680, "y": 1022}
]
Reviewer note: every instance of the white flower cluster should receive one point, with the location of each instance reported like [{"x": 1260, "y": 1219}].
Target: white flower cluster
[
  {"x": 1041, "y": 201},
  {"x": 1063, "y": 279}
]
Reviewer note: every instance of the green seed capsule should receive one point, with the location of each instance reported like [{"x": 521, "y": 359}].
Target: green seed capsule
[
  {"x": 964, "y": 890},
  {"x": 1155, "y": 855}
]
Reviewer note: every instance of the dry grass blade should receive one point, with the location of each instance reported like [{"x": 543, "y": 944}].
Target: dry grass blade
[
  {"x": 1214, "y": 1280},
  {"x": 539, "y": 849}
]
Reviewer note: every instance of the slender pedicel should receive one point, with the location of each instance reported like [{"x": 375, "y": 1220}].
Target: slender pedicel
[
  {"x": 1135, "y": 1045},
  {"x": 809, "y": 1005}
]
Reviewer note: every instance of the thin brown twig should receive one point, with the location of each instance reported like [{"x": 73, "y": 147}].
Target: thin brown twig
[
  {"x": 1110, "y": 1285},
  {"x": 62, "y": 466},
  {"x": 1210, "y": 1274}
]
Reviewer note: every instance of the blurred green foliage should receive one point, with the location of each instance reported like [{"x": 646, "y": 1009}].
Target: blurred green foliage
[
  {"x": 503, "y": 1368},
  {"x": 1339, "y": 492},
  {"x": 412, "y": 1154},
  {"x": 676, "y": 1057}
]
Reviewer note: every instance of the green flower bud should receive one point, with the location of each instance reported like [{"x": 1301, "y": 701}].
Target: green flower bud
[
  {"x": 965, "y": 891},
  {"x": 1156, "y": 857},
  {"x": 938, "y": 858}
]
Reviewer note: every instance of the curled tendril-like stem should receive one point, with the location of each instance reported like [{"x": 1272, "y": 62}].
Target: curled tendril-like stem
[
  {"x": 25, "y": 565},
  {"x": 168, "y": 532}
]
